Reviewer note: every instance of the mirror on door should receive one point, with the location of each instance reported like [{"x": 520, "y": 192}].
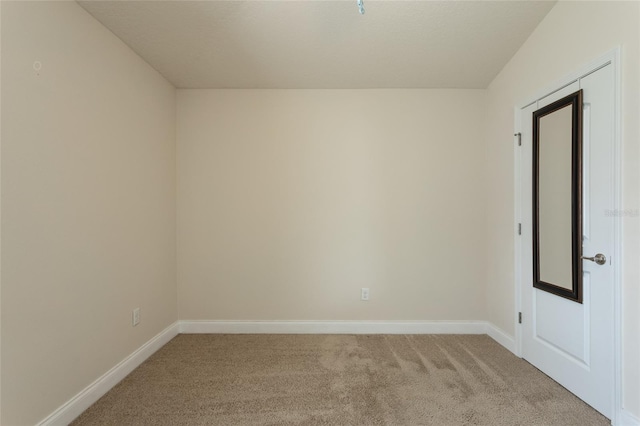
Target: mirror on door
[{"x": 557, "y": 197}]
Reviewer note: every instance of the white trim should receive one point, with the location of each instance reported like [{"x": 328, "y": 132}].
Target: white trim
[
  {"x": 332, "y": 327},
  {"x": 619, "y": 416},
  {"x": 501, "y": 337},
  {"x": 517, "y": 252},
  {"x": 627, "y": 419},
  {"x": 611, "y": 56},
  {"x": 348, "y": 327},
  {"x": 83, "y": 400}
]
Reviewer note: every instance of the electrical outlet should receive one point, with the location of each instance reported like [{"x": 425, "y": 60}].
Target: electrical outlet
[
  {"x": 364, "y": 295},
  {"x": 136, "y": 316}
]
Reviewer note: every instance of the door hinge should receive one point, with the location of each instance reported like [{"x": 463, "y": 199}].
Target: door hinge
[
  {"x": 519, "y": 229},
  {"x": 519, "y": 317},
  {"x": 519, "y": 135}
]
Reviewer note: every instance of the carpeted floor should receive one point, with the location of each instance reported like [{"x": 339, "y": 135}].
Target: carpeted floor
[{"x": 337, "y": 380}]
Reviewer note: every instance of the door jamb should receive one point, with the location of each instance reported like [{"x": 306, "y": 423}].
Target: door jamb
[{"x": 612, "y": 57}]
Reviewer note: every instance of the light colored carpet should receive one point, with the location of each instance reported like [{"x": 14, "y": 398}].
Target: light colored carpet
[{"x": 337, "y": 380}]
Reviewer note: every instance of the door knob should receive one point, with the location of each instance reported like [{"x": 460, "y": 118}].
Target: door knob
[{"x": 599, "y": 258}]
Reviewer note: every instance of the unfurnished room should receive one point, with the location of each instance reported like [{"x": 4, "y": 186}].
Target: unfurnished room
[{"x": 319, "y": 212}]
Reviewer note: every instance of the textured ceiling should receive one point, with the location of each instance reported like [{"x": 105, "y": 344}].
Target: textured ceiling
[{"x": 323, "y": 44}]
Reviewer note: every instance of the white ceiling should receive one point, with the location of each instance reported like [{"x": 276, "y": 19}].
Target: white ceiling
[{"x": 323, "y": 44}]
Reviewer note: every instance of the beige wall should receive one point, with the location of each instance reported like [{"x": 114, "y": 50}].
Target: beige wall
[
  {"x": 88, "y": 205},
  {"x": 290, "y": 201},
  {"x": 573, "y": 34}
]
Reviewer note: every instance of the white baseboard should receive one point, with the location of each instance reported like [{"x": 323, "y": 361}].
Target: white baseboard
[
  {"x": 76, "y": 405},
  {"x": 333, "y": 327},
  {"x": 627, "y": 419},
  {"x": 501, "y": 337},
  {"x": 348, "y": 327},
  {"x": 83, "y": 400}
]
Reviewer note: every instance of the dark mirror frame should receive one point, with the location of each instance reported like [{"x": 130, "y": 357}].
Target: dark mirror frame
[{"x": 575, "y": 294}]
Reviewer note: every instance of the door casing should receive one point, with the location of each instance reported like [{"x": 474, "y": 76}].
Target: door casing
[{"x": 613, "y": 58}]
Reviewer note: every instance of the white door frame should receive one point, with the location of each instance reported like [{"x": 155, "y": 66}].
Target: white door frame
[{"x": 613, "y": 58}]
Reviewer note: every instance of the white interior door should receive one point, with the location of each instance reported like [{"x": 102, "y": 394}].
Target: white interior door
[{"x": 573, "y": 343}]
